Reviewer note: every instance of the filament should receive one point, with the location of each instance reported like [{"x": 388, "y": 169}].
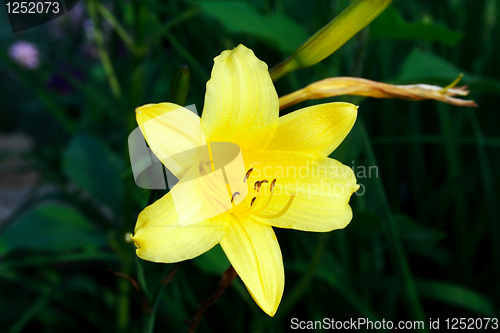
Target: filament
[
  {"x": 280, "y": 213},
  {"x": 265, "y": 205}
]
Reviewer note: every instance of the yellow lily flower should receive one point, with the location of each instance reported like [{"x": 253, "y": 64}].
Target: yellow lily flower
[{"x": 291, "y": 181}]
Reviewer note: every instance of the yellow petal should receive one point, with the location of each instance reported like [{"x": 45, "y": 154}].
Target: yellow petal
[
  {"x": 315, "y": 129},
  {"x": 199, "y": 196},
  {"x": 172, "y": 132},
  {"x": 321, "y": 189},
  {"x": 241, "y": 104},
  {"x": 254, "y": 252},
  {"x": 160, "y": 238}
]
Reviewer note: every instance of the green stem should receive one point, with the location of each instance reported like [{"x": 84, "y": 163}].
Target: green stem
[
  {"x": 150, "y": 323},
  {"x": 398, "y": 256},
  {"x": 488, "y": 184},
  {"x": 162, "y": 283},
  {"x": 141, "y": 277},
  {"x": 460, "y": 225},
  {"x": 103, "y": 54},
  {"x": 123, "y": 308},
  {"x": 165, "y": 29},
  {"x": 301, "y": 287},
  {"x": 193, "y": 63},
  {"x": 39, "y": 304},
  {"x": 120, "y": 30}
]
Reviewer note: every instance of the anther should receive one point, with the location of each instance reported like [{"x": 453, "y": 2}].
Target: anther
[
  {"x": 253, "y": 200},
  {"x": 234, "y": 195},
  {"x": 258, "y": 184},
  {"x": 272, "y": 184},
  {"x": 247, "y": 174}
]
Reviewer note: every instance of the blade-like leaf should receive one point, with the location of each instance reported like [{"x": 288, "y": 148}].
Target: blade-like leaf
[
  {"x": 390, "y": 24},
  {"x": 425, "y": 67},
  {"x": 456, "y": 295},
  {"x": 50, "y": 227},
  {"x": 277, "y": 30},
  {"x": 92, "y": 166}
]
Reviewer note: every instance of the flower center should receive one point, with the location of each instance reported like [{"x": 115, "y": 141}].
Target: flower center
[{"x": 251, "y": 209}]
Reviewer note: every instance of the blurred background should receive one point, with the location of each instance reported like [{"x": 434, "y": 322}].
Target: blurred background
[{"x": 424, "y": 241}]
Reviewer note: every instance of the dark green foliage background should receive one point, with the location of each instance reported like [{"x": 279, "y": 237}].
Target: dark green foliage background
[{"x": 431, "y": 207}]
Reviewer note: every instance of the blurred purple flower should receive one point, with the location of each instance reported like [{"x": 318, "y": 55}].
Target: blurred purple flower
[
  {"x": 25, "y": 54},
  {"x": 60, "y": 83}
]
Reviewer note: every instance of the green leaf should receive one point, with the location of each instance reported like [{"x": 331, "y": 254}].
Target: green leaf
[
  {"x": 390, "y": 24},
  {"x": 331, "y": 273},
  {"x": 51, "y": 227},
  {"x": 440, "y": 291},
  {"x": 456, "y": 295},
  {"x": 213, "y": 261},
  {"x": 276, "y": 29},
  {"x": 421, "y": 237},
  {"x": 90, "y": 253},
  {"x": 35, "y": 307},
  {"x": 92, "y": 166},
  {"x": 422, "y": 67},
  {"x": 366, "y": 223}
]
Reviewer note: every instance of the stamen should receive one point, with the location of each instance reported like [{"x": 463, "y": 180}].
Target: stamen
[
  {"x": 247, "y": 174},
  {"x": 272, "y": 184},
  {"x": 234, "y": 194},
  {"x": 260, "y": 210},
  {"x": 253, "y": 200},
  {"x": 265, "y": 205},
  {"x": 280, "y": 213},
  {"x": 258, "y": 184}
]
